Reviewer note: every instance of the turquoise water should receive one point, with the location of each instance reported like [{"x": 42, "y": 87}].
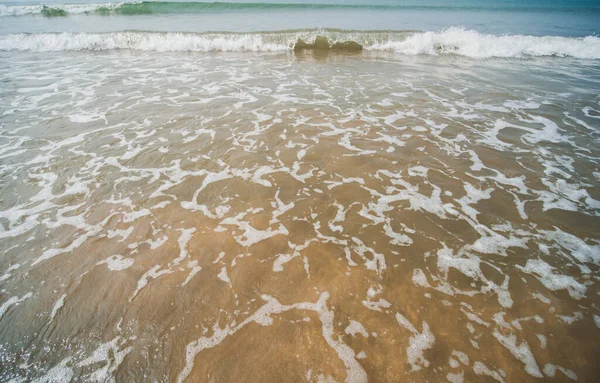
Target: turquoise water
[{"x": 533, "y": 17}]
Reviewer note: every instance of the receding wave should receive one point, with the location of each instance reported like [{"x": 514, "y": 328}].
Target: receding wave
[
  {"x": 162, "y": 7},
  {"x": 452, "y": 41}
]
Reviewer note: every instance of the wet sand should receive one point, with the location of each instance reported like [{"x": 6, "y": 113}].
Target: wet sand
[{"x": 281, "y": 217}]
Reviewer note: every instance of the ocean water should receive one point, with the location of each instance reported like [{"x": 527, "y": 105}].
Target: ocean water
[{"x": 288, "y": 191}]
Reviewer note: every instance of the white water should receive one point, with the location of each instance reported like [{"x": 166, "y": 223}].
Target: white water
[
  {"x": 470, "y": 43},
  {"x": 22, "y": 10},
  {"x": 454, "y": 41}
]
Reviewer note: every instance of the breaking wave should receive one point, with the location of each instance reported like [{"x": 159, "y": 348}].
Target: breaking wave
[{"x": 452, "y": 41}]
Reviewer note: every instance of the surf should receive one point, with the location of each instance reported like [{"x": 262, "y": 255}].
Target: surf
[{"x": 455, "y": 41}]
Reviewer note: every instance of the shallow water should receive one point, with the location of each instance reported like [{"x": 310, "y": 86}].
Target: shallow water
[{"x": 278, "y": 217}]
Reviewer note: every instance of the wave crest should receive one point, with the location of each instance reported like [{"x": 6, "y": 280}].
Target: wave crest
[
  {"x": 141, "y": 41},
  {"x": 470, "y": 43},
  {"x": 452, "y": 41}
]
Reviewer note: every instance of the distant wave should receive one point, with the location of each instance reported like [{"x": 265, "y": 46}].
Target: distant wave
[
  {"x": 57, "y": 9},
  {"x": 159, "y": 7},
  {"x": 452, "y": 41}
]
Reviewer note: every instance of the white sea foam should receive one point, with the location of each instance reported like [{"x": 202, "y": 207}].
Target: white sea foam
[
  {"x": 223, "y": 276},
  {"x": 8, "y": 274},
  {"x": 140, "y": 41},
  {"x": 193, "y": 265},
  {"x": 520, "y": 351},
  {"x": 111, "y": 354},
  {"x": 12, "y": 301},
  {"x": 454, "y": 40},
  {"x": 57, "y": 306},
  {"x": 355, "y": 327},
  {"x": 543, "y": 340},
  {"x": 553, "y": 281},
  {"x": 117, "y": 262},
  {"x": 418, "y": 343},
  {"x": 470, "y": 265},
  {"x": 61, "y": 373},
  {"x": 455, "y": 378},
  {"x": 263, "y": 316},
  {"x": 550, "y": 370},
  {"x": 470, "y": 43},
  {"x": 480, "y": 368},
  {"x": 252, "y": 235}
]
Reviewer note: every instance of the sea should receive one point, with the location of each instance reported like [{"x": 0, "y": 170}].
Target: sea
[{"x": 300, "y": 191}]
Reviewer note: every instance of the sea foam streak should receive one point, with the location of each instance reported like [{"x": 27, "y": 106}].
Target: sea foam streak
[{"x": 455, "y": 41}]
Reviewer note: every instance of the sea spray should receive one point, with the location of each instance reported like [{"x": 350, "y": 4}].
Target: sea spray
[{"x": 451, "y": 41}]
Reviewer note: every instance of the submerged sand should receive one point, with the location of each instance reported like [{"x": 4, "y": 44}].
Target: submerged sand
[{"x": 246, "y": 217}]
